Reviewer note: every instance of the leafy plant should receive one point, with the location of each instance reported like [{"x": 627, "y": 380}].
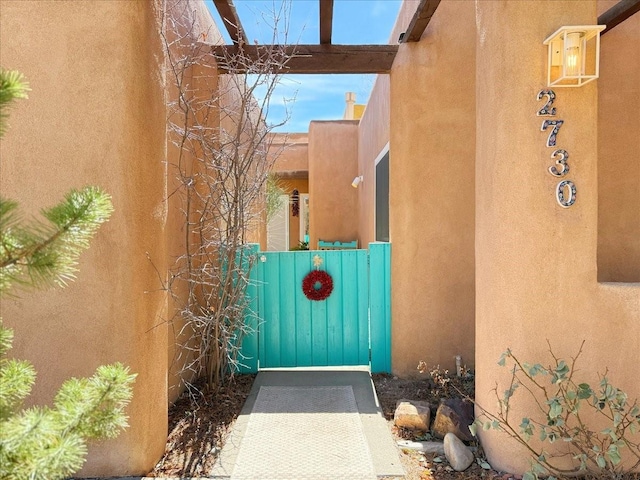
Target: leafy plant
[
  {"x": 275, "y": 191},
  {"x": 567, "y": 411},
  {"x": 48, "y": 443},
  {"x": 301, "y": 246}
]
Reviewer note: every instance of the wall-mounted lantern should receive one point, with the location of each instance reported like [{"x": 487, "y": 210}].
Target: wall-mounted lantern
[
  {"x": 357, "y": 181},
  {"x": 574, "y": 55}
]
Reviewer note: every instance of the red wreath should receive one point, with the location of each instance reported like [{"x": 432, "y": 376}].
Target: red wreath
[{"x": 317, "y": 285}]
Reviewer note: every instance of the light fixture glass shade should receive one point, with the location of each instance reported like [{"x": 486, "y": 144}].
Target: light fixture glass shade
[{"x": 574, "y": 55}]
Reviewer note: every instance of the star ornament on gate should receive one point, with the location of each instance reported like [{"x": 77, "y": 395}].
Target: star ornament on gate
[{"x": 317, "y": 261}]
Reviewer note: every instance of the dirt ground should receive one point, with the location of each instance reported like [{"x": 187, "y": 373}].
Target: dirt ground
[
  {"x": 428, "y": 388},
  {"x": 198, "y": 428}
]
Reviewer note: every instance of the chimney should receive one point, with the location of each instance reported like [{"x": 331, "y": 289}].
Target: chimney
[{"x": 350, "y": 98}]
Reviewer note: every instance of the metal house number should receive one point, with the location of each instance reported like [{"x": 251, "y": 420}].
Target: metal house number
[{"x": 566, "y": 189}]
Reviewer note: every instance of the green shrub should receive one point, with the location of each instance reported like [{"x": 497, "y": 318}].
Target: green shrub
[{"x": 567, "y": 410}]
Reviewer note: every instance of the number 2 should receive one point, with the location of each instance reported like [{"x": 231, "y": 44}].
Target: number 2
[
  {"x": 547, "y": 109},
  {"x": 556, "y": 124}
]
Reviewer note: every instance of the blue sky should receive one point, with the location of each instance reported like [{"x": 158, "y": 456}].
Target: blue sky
[{"x": 317, "y": 97}]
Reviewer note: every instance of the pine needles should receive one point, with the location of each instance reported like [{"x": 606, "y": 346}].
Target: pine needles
[
  {"x": 37, "y": 254},
  {"x": 49, "y": 443}
]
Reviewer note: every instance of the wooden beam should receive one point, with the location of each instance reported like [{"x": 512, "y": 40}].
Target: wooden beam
[
  {"x": 306, "y": 58},
  {"x": 290, "y": 174},
  {"x": 227, "y": 11},
  {"x": 420, "y": 20},
  {"x": 618, "y": 14},
  {"x": 326, "y": 21}
]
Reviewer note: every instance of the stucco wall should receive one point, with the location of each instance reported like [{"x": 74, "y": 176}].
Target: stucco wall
[
  {"x": 290, "y": 153},
  {"x": 192, "y": 22},
  {"x": 95, "y": 116},
  {"x": 431, "y": 190},
  {"x": 333, "y": 164},
  {"x": 536, "y": 276},
  {"x": 619, "y": 152},
  {"x": 288, "y": 185},
  {"x": 373, "y": 136}
]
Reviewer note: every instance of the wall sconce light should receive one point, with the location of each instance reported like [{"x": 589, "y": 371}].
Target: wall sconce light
[
  {"x": 574, "y": 55},
  {"x": 357, "y": 181}
]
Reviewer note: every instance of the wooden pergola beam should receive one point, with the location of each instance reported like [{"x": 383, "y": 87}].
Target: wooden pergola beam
[
  {"x": 618, "y": 14},
  {"x": 420, "y": 20},
  {"x": 227, "y": 11},
  {"x": 306, "y": 59},
  {"x": 326, "y": 21}
]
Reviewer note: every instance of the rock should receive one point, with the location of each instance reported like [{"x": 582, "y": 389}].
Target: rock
[
  {"x": 458, "y": 454},
  {"x": 454, "y": 415},
  {"x": 412, "y": 414},
  {"x": 426, "y": 447}
]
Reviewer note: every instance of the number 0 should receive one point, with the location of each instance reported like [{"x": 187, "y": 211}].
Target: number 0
[{"x": 566, "y": 201}]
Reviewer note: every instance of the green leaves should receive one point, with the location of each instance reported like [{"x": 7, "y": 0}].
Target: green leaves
[
  {"x": 503, "y": 358},
  {"x": 509, "y": 393},
  {"x": 614, "y": 454},
  {"x": 12, "y": 87},
  {"x": 555, "y": 408},
  {"x": 584, "y": 391},
  {"x": 527, "y": 429},
  {"x": 50, "y": 443},
  {"x": 38, "y": 254},
  {"x": 559, "y": 374},
  {"x": 559, "y": 407}
]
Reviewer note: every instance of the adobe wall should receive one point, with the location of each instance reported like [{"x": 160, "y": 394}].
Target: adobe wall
[
  {"x": 432, "y": 158},
  {"x": 191, "y": 20},
  {"x": 290, "y": 153},
  {"x": 95, "y": 116},
  {"x": 333, "y": 164},
  {"x": 302, "y": 185},
  {"x": 373, "y": 136},
  {"x": 619, "y": 152},
  {"x": 536, "y": 268}
]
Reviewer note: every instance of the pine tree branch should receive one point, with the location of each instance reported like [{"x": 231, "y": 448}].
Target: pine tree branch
[{"x": 38, "y": 254}]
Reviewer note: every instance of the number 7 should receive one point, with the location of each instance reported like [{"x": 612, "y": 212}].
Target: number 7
[{"x": 556, "y": 124}]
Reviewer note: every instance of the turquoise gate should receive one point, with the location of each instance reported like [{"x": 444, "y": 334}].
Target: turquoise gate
[{"x": 351, "y": 327}]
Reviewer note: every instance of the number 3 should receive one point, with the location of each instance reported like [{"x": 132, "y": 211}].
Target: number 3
[{"x": 564, "y": 156}]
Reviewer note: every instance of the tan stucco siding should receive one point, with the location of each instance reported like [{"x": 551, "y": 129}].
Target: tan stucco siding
[
  {"x": 619, "y": 153},
  {"x": 289, "y": 153},
  {"x": 373, "y": 136},
  {"x": 295, "y": 158},
  {"x": 536, "y": 276},
  {"x": 198, "y": 82},
  {"x": 95, "y": 116},
  {"x": 432, "y": 158},
  {"x": 289, "y": 185},
  {"x": 333, "y": 164}
]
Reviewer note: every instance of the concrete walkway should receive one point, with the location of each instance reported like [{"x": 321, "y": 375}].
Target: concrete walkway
[{"x": 310, "y": 425}]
